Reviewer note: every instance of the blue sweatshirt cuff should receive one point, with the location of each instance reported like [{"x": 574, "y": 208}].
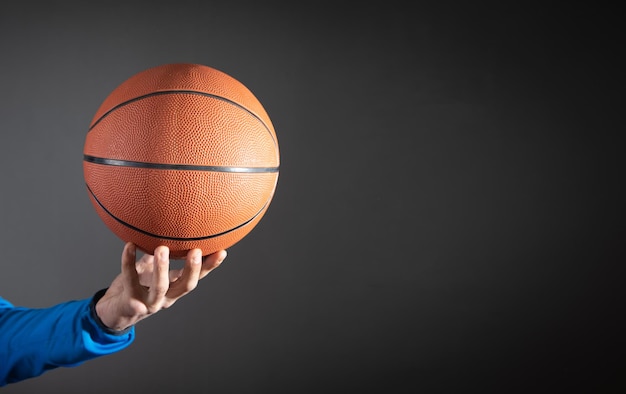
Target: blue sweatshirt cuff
[
  {"x": 96, "y": 318},
  {"x": 100, "y": 339},
  {"x": 65, "y": 335}
]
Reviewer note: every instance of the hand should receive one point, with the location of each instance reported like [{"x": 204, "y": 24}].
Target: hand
[{"x": 147, "y": 286}]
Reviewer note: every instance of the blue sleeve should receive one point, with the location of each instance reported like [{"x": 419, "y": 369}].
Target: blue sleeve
[{"x": 33, "y": 341}]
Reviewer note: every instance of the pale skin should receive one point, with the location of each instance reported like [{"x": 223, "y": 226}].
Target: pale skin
[{"x": 148, "y": 285}]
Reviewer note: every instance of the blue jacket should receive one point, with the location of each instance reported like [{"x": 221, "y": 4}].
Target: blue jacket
[{"x": 33, "y": 341}]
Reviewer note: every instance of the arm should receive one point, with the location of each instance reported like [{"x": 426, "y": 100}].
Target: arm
[{"x": 33, "y": 341}]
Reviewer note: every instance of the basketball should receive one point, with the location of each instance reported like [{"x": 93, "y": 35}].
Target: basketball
[{"x": 181, "y": 155}]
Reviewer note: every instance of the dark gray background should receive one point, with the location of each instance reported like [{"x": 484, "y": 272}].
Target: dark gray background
[{"x": 448, "y": 216}]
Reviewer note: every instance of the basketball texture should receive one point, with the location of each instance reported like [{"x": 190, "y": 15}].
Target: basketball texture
[{"x": 181, "y": 155}]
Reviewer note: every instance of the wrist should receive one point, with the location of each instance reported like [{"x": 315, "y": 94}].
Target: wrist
[{"x": 94, "y": 307}]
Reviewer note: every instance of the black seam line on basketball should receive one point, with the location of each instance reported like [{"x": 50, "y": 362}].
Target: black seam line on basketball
[
  {"x": 174, "y": 238},
  {"x": 163, "y": 92},
  {"x": 178, "y": 167}
]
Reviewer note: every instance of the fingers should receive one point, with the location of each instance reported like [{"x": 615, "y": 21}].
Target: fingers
[
  {"x": 188, "y": 280},
  {"x": 175, "y": 275},
  {"x": 196, "y": 268},
  {"x": 211, "y": 262},
  {"x": 129, "y": 272},
  {"x": 160, "y": 286},
  {"x": 160, "y": 279}
]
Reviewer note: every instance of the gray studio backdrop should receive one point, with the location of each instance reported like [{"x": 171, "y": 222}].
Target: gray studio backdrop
[{"x": 447, "y": 217}]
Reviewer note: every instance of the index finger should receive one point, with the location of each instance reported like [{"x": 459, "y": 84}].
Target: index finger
[{"x": 129, "y": 271}]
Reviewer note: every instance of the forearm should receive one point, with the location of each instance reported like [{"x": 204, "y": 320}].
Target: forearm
[{"x": 33, "y": 341}]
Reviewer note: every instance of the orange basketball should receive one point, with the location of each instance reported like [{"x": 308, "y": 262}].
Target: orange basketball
[{"x": 181, "y": 155}]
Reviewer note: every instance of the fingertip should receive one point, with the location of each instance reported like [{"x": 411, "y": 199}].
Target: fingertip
[
  {"x": 129, "y": 246},
  {"x": 129, "y": 253},
  {"x": 221, "y": 256},
  {"x": 215, "y": 257},
  {"x": 195, "y": 256},
  {"x": 162, "y": 252},
  {"x": 129, "y": 261},
  {"x": 218, "y": 257}
]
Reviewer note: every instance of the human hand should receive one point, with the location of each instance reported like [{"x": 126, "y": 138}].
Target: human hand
[{"x": 147, "y": 286}]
